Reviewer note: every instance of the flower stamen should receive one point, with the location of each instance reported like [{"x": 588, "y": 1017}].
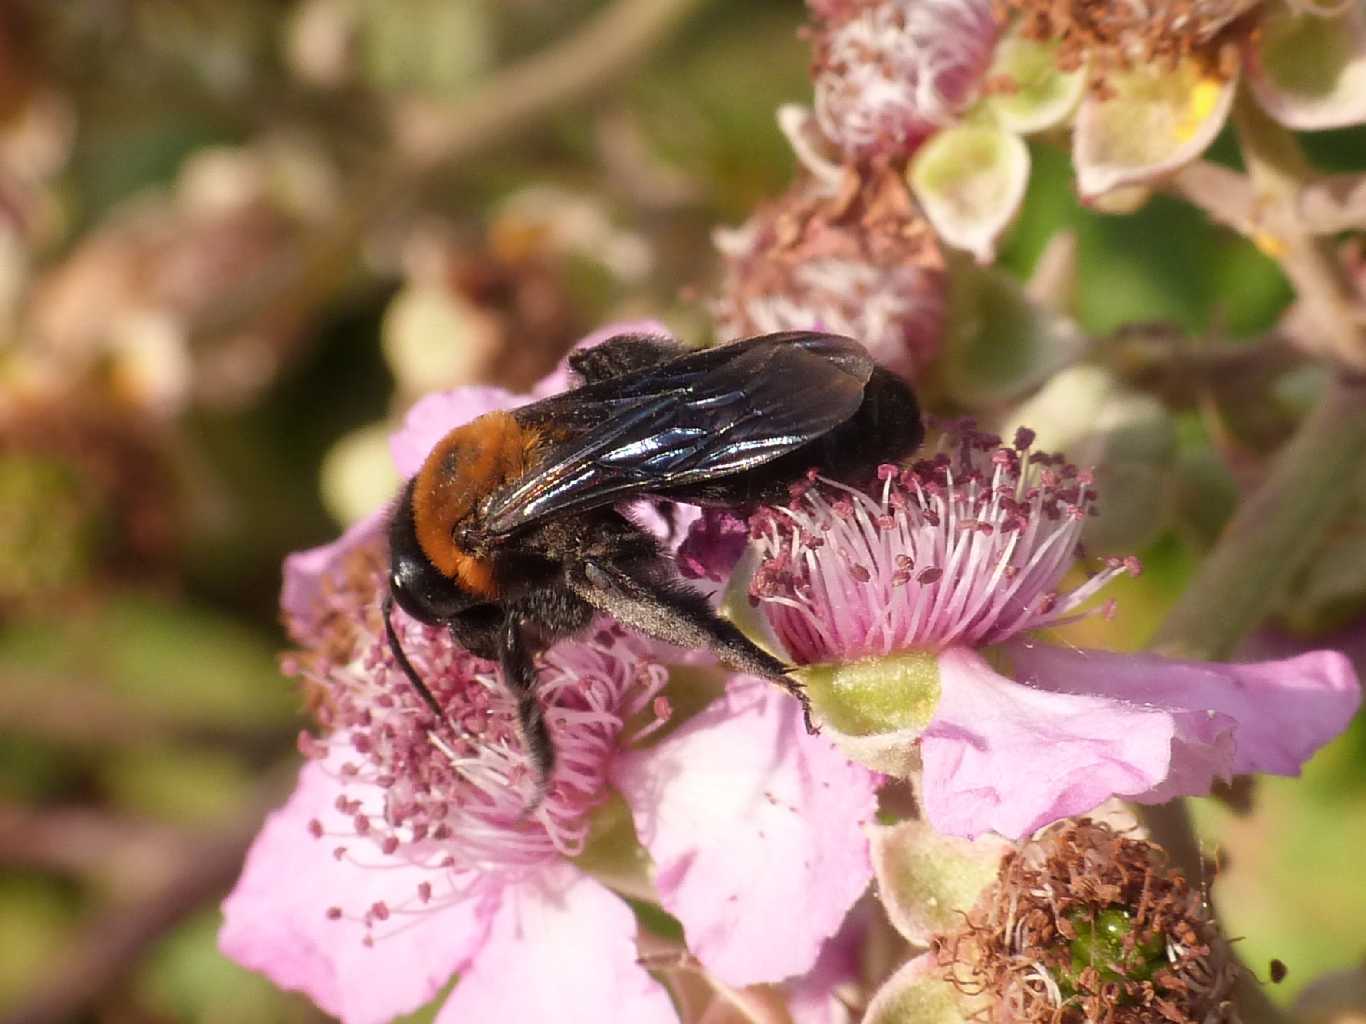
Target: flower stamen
[
  {"x": 963, "y": 549},
  {"x": 449, "y": 797}
]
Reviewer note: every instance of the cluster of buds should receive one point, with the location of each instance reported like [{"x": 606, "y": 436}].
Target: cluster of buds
[{"x": 943, "y": 92}]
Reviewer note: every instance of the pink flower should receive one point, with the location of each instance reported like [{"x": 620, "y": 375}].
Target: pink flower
[
  {"x": 888, "y": 73},
  {"x": 961, "y": 558},
  {"x": 405, "y": 855}
]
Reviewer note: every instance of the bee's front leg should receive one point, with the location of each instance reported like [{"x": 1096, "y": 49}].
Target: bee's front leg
[{"x": 519, "y": 675}]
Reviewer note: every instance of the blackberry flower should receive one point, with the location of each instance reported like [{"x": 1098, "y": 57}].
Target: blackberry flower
[{"x": 918, "y": 604}]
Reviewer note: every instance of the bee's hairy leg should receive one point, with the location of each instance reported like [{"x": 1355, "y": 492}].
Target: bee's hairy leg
[
  {"x": 646, "y": 596},
  {"x": 519, "y": 675}
]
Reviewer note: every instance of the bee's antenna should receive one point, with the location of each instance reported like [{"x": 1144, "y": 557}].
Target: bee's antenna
[{"x": 428, "y": 698}]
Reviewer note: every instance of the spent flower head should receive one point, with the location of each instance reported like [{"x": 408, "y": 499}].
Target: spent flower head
[
  {"x": 1162, "y": 77},
  {"x": 888, "y": 73},
  {"x": 1085, "y": 924},
  {"x": 854, "y": 257},
  {"x": 1080, "y": 923}
]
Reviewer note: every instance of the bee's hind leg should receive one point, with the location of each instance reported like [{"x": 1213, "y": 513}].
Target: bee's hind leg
[{"x": 647, "y": 596}]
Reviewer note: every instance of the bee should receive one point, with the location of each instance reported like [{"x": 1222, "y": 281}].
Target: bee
[{"x": 515, "y": 531}]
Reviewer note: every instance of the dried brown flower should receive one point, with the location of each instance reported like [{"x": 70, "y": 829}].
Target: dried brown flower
[{"x": 1087, "y": 925}]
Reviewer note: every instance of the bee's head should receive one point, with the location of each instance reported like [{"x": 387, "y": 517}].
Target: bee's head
[{"x": 417, "y": 584}]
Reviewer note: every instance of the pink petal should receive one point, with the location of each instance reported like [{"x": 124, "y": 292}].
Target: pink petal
[
  {"x": 815, "y": 997},
  {"x": 300, "y": 597},
  {"x": 1277, "y": 713},
  {"x": 434, "y": 416},
  {"x": 562, "y": 948},
  {"x": 756, "y": 832},
  {"x": 276, "y": 921},
  {"x": 1082, "y": 726},
  {"x": 713, "y": 543},
  {"x": 1009, "y": 758}
]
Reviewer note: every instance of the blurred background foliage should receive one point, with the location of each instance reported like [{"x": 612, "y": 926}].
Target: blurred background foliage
[{"x": 220, "y": 278}]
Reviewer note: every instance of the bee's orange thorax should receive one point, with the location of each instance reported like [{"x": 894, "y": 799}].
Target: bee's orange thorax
[{"x": 465, "y": 466}]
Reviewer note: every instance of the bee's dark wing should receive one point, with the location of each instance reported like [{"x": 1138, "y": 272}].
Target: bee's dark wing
[{"x": 695, "y": 418}]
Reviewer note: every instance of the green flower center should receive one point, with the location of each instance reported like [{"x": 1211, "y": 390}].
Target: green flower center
[{"x": 1109, "y": 943}]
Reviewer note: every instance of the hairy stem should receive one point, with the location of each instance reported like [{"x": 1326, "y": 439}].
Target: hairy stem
[{"x": 1269, "y": 540}]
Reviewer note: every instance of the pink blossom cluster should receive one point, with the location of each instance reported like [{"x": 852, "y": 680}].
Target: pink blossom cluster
[{"x": 406, "y": 857}]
